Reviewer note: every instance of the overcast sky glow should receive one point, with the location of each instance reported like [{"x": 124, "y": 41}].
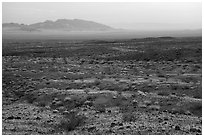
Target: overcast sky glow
[{"x": 143, "y": 16}]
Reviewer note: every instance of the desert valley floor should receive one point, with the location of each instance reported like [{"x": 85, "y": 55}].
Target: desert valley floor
[{"x": 147, "y": 86}]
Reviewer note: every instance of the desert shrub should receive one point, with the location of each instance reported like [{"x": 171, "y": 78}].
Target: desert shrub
[
  {"x": 42, "y": 104},
  {"x": 77, "y": 101},
  {"x": 198, "y": 94},
  {"x": 161, "y": 75},
  {"x": 174, "y": 87},
  {"x": 97, "y": 82},
  {"x": 196, "y": 68},
  {"x": 65, "y": 60},
  {"x": 127, "y": 108},
  {"x": 117, "y": 101},
  {"x": 180, "y": 87},
  {"x": 109, "y": 86},
  {"x": 195, "y": 108},
  {"x": 188, "y": 79},
  {"x": 129, "y": 117},
  {"x": 163, "y": 93},
  {"x": 90, "y": 97},
  {"x": 145, "y": 88},
  {"x": 108, "y": 70},
  {"x": 102, "y": 101},
  {"x": 71, "y": 121},
  {"x": 184, "y": 87},
  {"x": 52, "y": 69},
  {"x": 100, "y": 108},
  {"x": 30, "y": 98},
  {"x": 125, "y": 104},
  {"x": 179, "y": 110}
]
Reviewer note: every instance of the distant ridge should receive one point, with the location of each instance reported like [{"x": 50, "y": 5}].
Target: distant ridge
[
  {"x": 82, "y": 29},
  {"x": 60, "y": 24}
]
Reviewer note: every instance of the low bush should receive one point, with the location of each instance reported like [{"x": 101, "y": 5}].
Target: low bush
[
  {"x": 163, "y": 93},
  {"x": 189, "y": 79},
  {"x": 71, "y": 121},
  {"x": 100, "y": 108},
  {"x": 101, "y": 103},
  {"x": 195, "y": 108},
  {"x": 198, "y": 93},
  {"x": 129, "y": 117}
]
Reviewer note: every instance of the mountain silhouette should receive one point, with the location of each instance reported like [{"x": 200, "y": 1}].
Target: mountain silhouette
[{"x": 60, "y": 24}]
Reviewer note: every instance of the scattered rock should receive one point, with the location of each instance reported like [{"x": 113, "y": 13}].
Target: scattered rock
[
  {"x": 141, "y": 93},
  {"x": 156, "y": 102},
  {"x": 84, "y": 109},
  {"x": 121, "y": 128},
  {"x": 59, "y": 103},
  {"x": 173, "y": 93},
  {"x": 10, "y": 117},
  {"x": 13, "y": 129},
  {"x": 188, "y": 113},
  {"x": 55, "y": 111},
  {"x": 160, "y": 120},
  {"x": 177, "y": 127},
  {"x": 154, "y": 107},
  {"x": 109, "y": 111},
  {"x": 56, "y": 99},
  {"x": 128, "y": 126},
  {"x": 183, "y": 95},
  {"x": 174, "y": 111},
  {"x": 142, "y": 106},
  {"x": 88, "y": 103},
  {"x": 193, "y": 129},
  {"x": 50, "y": 120},
  {"x": 37, "y": 118},
  {"x": 53, "y": 102},
  {"x": 13, "y": 117},
  {"x": 61, "y": 108},
  {"x": 65, "y": 112},
  {"x": 156, "y": 88},
  {"x": 47, "y": 107},
  {"x": 147, "y": 102},
  {"x": 134, "y": 102},
  {"x": 166, "y": 118},
  {"x": 67, "y": 99},
  {"x": 163, "y": 129},
  {"x": 120, "y": 124},
  {"x": 91, "y": 128},
  {"x": 72, "y": 111},
  {"x": 165, "y": 110},
  {"x": 134, "y": 95},
  {"x": 113, "y": 124}
]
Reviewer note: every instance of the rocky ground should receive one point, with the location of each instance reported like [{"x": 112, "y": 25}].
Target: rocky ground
[{"x": 97, "y": 89}]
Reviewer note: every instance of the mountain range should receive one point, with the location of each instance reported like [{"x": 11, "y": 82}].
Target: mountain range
[
  {"x": 83, "y": 29},
  {"x": 60, "y": 24}
]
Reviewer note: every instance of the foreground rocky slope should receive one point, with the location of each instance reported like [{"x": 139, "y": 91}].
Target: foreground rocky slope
[{"x": 99, "y": 87}]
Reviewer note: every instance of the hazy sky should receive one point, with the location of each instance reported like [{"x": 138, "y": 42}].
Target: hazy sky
[{"x": 144, "y": 16}]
